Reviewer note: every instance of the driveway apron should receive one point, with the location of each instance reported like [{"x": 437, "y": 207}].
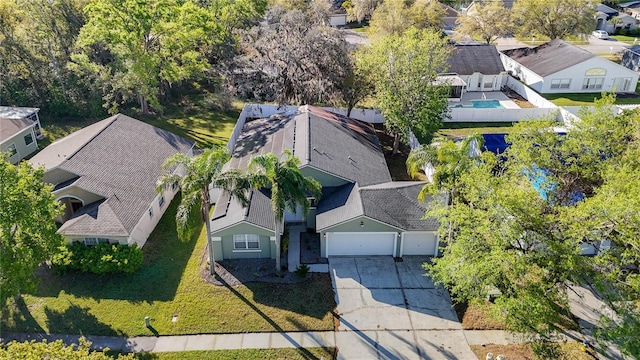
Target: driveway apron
[{"x": 390, "y": 310}]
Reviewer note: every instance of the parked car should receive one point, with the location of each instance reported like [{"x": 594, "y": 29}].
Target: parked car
[{"x": 600, "y": 34}]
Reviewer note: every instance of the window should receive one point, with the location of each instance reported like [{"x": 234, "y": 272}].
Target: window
[
  {"x": 488, "y": 83},
  {"x": 246, "y": 242},
  {"x": 621, "y": 84},
  {"x": 12, "y": 150},
  {"x": 94, "y": 241},
  {"x": 592, "y": 83},
  {"x": 161, "y": 200},
  {"x": 560, "y": 83},
  {"x": 150, "y": 212},
  {"x": 28, "y": 139}
]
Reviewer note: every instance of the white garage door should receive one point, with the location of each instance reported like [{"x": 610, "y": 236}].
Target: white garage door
[
  {"x": 419, "y": 243},
  {"x": 341, "y": 243}
]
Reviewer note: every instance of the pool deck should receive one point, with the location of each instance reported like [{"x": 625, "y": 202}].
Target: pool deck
[{"x": 504, "y": 100}]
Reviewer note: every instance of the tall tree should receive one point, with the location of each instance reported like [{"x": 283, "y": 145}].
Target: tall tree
[
  {"x": 360, "y": 10},
  {"x": 487, "y": 21},
  {"x": 194, "y": 175},
  {"x": 135, "y": 50},
  {"x": 394, "y": 17},
  {"x": 292, "y": 57},
  {"x": 554, "y": 19},
  {"x": 290, "y": 190},
  {"x": 27, "y": 228},
  {"x": 518, "y": 224},
  {"x": 405, "y": 70}
]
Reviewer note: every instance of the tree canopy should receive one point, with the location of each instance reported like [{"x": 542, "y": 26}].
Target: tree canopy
[
  {"x": 519, "y": 222},
  {"x": 394, "y": 17},
  {"x": 554, "y": 18},
  {"x": 27, "y": 228},
  {"x": 487, "y": 21},
  {"x": 404, "y": 70}
]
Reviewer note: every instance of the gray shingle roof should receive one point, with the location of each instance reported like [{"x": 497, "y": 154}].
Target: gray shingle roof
[
  {"x": 394, "y": 203},
  {"x": 10, "y": 127},
  {"x": 121, "y": 161},
  {"x": 468, "y": 59},
  {"x": 228, "y": 211},
  {"x": 550, "y": 57},
  {"x": 11, "y": 112}
]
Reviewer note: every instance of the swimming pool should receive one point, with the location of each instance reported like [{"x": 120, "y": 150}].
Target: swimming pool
[{"x": 481, "y": 104}]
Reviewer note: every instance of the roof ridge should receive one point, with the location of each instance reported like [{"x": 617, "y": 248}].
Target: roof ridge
[{"x": 112, "y": 118}]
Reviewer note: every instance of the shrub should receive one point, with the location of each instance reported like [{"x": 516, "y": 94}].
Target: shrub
[
  {"x": 302, "y": 270},
  {"x": 103, "y": 258}
]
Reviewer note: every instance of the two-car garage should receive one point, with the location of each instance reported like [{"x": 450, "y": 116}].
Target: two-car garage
[{"x": 380, "y": 243}]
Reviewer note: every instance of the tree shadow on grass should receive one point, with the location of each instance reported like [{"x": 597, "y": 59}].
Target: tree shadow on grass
[
  {"x": 18, "y": 314},
  {"x": 165, "y": 260},
  {"x": 76, "y": 320}
]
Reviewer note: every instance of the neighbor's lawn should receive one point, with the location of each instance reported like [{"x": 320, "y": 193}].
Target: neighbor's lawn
[
  {"x": 632, "y": 40},
  {"x": 247, "y": 354},
  {"x": 168, "y": 285},
  {"x": 581, "y": 99},
  {"x": 460, "y": 129}
]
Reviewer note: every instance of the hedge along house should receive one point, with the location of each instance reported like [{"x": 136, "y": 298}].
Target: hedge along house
[
  {"x": 19, "y": 132},
  {"x": 106, "y": 174},
  {"x": 345, "y": 156},
  {"x": 558, "y": 67}
]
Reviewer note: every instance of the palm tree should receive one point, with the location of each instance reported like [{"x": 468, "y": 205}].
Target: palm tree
[
  {"x": 450, "y": 160},
  {"x": 194, "y": 175},
  {"x": 289, "y": 188}
]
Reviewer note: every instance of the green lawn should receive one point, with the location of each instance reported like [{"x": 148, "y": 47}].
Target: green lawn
[
  {"x": 581, "y": 99},
  {"x": 248, "y": 354},
  {"x": 460, "y": 129},
  {"x": 629, "y": 39},
  {"x": 168, "y": 285}
]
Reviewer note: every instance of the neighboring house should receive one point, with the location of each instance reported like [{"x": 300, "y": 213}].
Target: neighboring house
[
  {"x": 631, "y": 58},
  {"x": 106, "y": 175},
  {"x": 558, "y": 67},
  {"x": 632, "y": 8},
  {"x": 475, "y": 68},
  {"x": 361, "y": 211},
  {"x": 19, "y": 132}
]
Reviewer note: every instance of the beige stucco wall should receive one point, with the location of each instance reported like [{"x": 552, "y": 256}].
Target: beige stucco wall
[{"x": 22, "y": 148}]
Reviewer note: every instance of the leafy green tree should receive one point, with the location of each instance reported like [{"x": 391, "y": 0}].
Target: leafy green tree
[
  {"x": 518, "y": 224},
  {"x": 27, "y": 228},
  {"x": 135, "y": 50},
  {"x": 554, "y": 19},
  {"x": 360, "y": 10},
  {"x": 394, "y": 17},
  {"x": 404, "y": 72},
  {"x": 487, "y": 21},
  {"x": 194, "y": 175},
  {"x": 290, "y": 190},
  {"x": 56, "y": 350}
]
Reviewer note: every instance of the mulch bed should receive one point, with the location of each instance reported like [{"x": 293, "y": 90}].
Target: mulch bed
[{"x": 241, "y": 271}]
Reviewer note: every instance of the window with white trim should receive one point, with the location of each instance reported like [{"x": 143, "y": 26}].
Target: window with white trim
[
  {"x": 12, "y": 150},
  {"x": 246, "y": 242},
  {"x": 161, "y": 200},
  {"x": 28, "y": 139},
  {"x": 594, "y": 83},
  {"x": 151, "y": 212},
  {"x": 560, "y": 83},
  {"x": 94, "y": 241}
]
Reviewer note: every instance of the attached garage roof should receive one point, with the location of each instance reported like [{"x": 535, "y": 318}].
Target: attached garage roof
[{"x": 392, "y": 203}]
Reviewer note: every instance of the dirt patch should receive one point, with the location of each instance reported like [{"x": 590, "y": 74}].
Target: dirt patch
[
  {"x": 519, "y": 100},
  {"x": 241, "y": 271},
  {"x": 477, "y": 317},
  {"x": 567, "y": 350}
]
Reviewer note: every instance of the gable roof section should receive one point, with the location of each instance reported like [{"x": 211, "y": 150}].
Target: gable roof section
[
  {"x": 228, "y": 211},
  {"x": 11, "y": 127},
  {"x": 119, "y": 158},
  {"x": 12, "y": 112},
  {"x": 634, "y": 49},
  {"x": 550, "y": 57},
  {"x": 333, "y": 143},
  {"x": 468, "y": 59},
  {"x": 393, "y": 203}
]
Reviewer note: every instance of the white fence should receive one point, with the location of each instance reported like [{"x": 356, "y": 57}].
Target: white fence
[{"x": 529, "y": 94}]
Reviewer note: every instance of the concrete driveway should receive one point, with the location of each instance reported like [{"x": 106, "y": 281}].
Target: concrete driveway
[{"x": 390, "y": 310}]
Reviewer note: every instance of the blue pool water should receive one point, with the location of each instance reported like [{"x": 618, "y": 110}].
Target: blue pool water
[{"x": 481, "y": 104}]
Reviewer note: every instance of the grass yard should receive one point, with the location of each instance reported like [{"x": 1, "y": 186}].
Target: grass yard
[
  {"x": 570, "y": 350},
  {"x": 169, "y": 285},
  {"x": 629, "y": 39},
  {"x": 460, "y": 129},
  {"x": 247, "y": 354},
  {"x": 581, "y": 99}
]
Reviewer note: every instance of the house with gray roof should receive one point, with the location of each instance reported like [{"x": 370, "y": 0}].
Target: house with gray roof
[
  {"x": 105, "y": 174},
  {"x": 474, "y": 68},
  {"x": 361, "y": 211},
  {"x": 19, "y": 132},
  {"x": 559, "y": 67}
]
